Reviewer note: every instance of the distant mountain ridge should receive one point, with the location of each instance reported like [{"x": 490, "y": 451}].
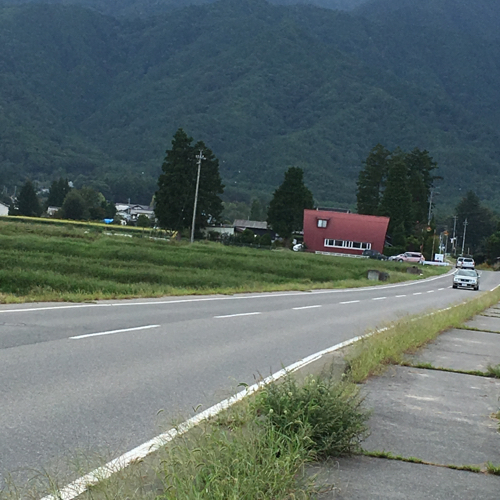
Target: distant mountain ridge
[
  {"x": 147, "y": 8},
  {"x": 266, "y": 87},
  {"x": 478, "y": 18}
]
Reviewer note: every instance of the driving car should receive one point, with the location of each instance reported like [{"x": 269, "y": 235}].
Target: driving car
[
  {"x": 409, "y": 257},
  {"x": 466, "y": 263},
  {"x": 466, "y": 278},
  {"x": 373, "y": 254}
]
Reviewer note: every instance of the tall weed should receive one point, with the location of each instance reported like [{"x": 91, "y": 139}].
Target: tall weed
[{"x": 329, "y": 414}]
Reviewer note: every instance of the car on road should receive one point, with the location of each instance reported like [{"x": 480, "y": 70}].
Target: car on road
[
  {"x": 466, "y": 278},
  {"x": 409, "y": 257},
  {"x": 373, "y": 254},
  {"x": 466, "y": 263}
]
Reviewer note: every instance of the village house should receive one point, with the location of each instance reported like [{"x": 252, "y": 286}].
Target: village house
[
  {"x": 4, "y": 209},
  {"x": 341, "y": 233},
  {"x": 130, "y": 213}
]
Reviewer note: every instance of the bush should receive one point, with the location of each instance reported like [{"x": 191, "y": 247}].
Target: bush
[
  {"x": 265, "y": 240},
  {"x": 247, "y": 237},
  {"x": 327, "y": 412}
]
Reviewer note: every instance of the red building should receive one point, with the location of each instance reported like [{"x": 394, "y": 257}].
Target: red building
[{"x": 343, "y": 233}]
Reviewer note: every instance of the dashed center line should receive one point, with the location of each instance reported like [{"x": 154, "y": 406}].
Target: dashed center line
[
  {"x": 430, "y": 291},
  {"x": 379, "y": 298},
  {"x": 235, "y": 315},
  {"x": 440, "y": 289},
  {"x": 399, "y": 296},
  {"x": 350, "y": 302},
  {"x": 111, "y": 332},
  {"x": 417, "y": 293},
  {"x": 305, "y": 307}
]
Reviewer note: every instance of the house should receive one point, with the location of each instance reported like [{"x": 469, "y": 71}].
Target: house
[
  {"x": 222, "y": 230},
  {"x": 4, "y": 209},
  {"x": 51, "y": 211},
  {"x": 130, "y": 213},
  {"x": 341, "y": 233},
  {"x": 257, "y": 227}
]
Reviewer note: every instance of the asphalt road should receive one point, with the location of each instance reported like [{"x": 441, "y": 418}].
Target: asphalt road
[{"x": 95, "y": 380}]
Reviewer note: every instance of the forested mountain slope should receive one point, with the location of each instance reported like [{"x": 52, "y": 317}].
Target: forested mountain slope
[
  {"x": 147, "y": 8},
  {"x": 264, "y": 86},
  {"x": 478, "y": 17}
]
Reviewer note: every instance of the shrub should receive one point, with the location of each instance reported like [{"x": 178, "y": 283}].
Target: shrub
[
  {"x": 247, "y": 237},
  {"x": 265, "y": 240},
  {"x": 327, "y": 412}
]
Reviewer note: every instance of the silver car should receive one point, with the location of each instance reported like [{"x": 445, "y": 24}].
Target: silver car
[{"x": 466, "y": 278}]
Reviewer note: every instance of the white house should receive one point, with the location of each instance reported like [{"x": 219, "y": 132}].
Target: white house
[
  {"x": 130, "y": 212},
  {"x": 4, "y": 209}
]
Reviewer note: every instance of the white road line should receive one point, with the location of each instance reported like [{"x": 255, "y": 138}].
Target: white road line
[
  {"x": 305, "y": 307},
  {"x": 430, "y": 291},
  {"x": 399, "y": 296},
  {"x": 417, "y": 293},
  {"x": 440, "y": 289},
  {"x": 126, "y": 303},
  {"x": 494, "y": 288},
  {"x": 379, "y": 298},
  {"x": 235, "y": 315},
  {"x": 350, "y": 302},
  {"x": 112, "y": 332}
]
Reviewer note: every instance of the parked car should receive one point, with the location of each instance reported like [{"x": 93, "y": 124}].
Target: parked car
[
  {"x": 373, "y": 254},
  {"x": 466, "y": 278},
  {"x": 466, "y": 263},
  {"x": 409, "y": 257}
]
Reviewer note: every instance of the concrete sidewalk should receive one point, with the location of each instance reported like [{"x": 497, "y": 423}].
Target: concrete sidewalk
[{"x": 433, "y": 415}]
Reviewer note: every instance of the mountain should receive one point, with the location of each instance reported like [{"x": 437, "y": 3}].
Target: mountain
[
  {"x": 479, "y": 18},
  {"x": 98, "y": 99},
  {"x": 147, "y": 8}
]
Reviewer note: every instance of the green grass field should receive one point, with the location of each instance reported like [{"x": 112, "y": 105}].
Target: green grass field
[{"x": 46, "y": 262}]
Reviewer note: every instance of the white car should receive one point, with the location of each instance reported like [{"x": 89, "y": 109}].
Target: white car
[
  {"x": 466, "y": 263},
  {"x": 466, "y": 278}
]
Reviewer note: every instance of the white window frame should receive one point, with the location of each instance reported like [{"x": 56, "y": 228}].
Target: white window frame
[
  {"x": 330, "y": 242},
  {"x": 322, "y": 223}
]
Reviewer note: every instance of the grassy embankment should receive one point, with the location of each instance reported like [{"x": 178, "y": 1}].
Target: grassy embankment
[{"x": 71, "y": 262}]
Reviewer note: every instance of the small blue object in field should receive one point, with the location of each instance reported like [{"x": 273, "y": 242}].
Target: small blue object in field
[{"x": 108, "y": 221}]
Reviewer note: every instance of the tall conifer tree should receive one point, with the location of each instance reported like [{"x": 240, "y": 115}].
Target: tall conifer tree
[
  {"x": 396, "y": 200},
  {"x": 176, "y": 185},
  {"x": 27, "y": 201},
  {"x": 371, "y": 180},
  {"x": 286, "y": 210}
]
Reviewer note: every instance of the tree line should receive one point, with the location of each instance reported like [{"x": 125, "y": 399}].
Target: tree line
[
  {"x": 174, "y": 203},
  {"x": 74, "y": 204},
  {"x": 400, "y": 185},
  {"x": 396, "y": 184}
]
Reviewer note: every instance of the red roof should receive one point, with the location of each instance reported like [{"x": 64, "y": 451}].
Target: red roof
[{"x": 346, "y": 227}]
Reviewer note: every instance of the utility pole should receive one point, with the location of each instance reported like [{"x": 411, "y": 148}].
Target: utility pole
[
  {"x": 455, "y": 217},
  {"x": 430, "y": 208},
  {"x": 463, "y": 240},
  {"x": 199, "y": 158},
  {"x": 433, "y": 239}
]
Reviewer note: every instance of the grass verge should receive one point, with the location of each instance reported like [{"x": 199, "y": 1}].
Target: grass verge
[
  {"x": 387, "y": 346},
  {"x": 82, "y": 262},
  {"x": 257, "y": 449}
]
